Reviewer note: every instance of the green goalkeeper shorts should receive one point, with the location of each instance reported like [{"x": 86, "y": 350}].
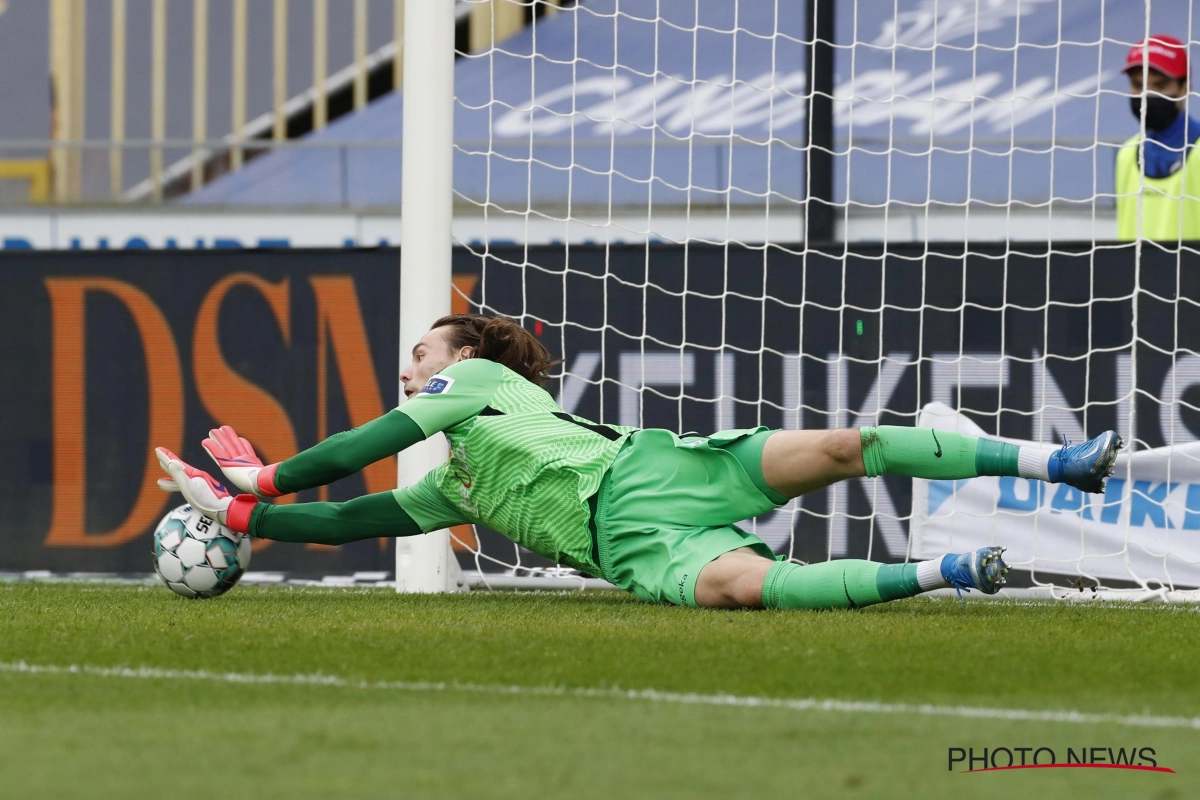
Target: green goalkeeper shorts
[{"x": 668, "y": 506}]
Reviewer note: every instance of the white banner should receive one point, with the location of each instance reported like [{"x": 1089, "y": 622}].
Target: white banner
[
  {"x": 186, "y": 228},
  {"x": 68, "y": 229},
  {"x": 1145, "y": 527}
]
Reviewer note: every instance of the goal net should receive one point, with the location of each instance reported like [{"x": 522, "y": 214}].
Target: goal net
[{"x": 730, "y": 213}]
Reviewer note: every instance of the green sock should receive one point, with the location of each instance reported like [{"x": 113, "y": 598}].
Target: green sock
[
  {"x": 847, "y": 583},
  {"x": 934, "y": 455}
]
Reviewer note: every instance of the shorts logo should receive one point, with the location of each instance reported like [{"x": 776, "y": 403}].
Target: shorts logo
[
  {"x": 682, "y": 595},
  {"x": 436, "y": 385}
]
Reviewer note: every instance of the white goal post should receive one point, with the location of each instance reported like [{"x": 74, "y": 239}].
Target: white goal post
[
  {"x": 639, "y": 182},
  {"x": 426, "y": 563}
]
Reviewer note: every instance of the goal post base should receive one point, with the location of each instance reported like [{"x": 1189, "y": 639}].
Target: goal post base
[{"x": 426, "y": 564}]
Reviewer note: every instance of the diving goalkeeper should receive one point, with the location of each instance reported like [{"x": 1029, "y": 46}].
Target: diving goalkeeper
[{"x": 649, "y": 511}]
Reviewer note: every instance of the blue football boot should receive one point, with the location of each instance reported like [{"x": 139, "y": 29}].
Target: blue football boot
[
  {"x": 1086, "y": 465},
  {"x": 983, "y": 570}
]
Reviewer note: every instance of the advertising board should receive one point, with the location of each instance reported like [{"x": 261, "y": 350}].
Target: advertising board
[{"x": 103, "y": 354}]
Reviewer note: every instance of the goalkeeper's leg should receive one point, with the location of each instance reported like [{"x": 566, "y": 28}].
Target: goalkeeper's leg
[
  {"x": 797, "y": 462},
  {"x": 744, "y": 579}
]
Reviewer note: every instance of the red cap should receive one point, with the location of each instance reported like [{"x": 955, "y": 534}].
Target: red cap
[{"x": 1163, "y": 53}]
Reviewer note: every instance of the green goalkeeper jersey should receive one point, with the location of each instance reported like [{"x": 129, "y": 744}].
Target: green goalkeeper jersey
[{"x": 518, "y": 464}]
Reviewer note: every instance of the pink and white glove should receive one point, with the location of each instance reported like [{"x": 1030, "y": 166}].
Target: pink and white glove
[
  {"x": 204, "y": 493},
  {"x": 240, "y": 464}
]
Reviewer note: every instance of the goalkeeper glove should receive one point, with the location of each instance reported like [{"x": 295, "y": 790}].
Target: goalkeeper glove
[
  {"x": 240, "y": 464},
  {"x": 204, "y": 493}
]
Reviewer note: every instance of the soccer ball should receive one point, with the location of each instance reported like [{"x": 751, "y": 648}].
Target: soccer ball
[{"x": 198, "y": 557}]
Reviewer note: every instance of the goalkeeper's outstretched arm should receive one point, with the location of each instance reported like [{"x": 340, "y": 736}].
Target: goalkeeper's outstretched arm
[
  {"x": 333, "y": 459},
  {"x": 368, "y": 517},
  {"x": 415, "y": 509},
  {"x": 419, "y": 508},
  {"x": 346, "y": 453},
  {"x": 428, "y": 411}
]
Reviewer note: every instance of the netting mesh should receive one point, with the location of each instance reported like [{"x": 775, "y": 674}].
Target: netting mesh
[{"x": 632, "y": 179}]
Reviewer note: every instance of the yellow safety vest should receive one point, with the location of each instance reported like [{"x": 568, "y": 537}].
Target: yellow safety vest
[{"x": 1170, "y": 206}]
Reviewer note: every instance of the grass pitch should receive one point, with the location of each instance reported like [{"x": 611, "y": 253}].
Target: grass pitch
[{"x": 84, "y": 734}]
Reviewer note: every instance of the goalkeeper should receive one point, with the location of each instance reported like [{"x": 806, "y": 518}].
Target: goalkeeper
[{"x": 649, "y": 511}]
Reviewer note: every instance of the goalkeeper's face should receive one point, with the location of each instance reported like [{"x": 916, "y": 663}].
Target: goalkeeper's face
[{"x": 431, "y": 355}]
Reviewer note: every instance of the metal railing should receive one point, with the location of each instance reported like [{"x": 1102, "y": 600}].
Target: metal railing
[
  {"x": 69, "y": 21},
  {"x": 167, "y": 165}
]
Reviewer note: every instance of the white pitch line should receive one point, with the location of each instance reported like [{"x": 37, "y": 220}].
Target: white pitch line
[{"x": 648, "y": 695}]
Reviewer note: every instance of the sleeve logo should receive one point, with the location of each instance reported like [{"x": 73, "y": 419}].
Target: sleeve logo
[{"x": 436, "y": 385}]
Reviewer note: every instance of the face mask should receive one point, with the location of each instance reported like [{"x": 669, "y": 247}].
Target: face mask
[{"x": 1160, "y": 111}]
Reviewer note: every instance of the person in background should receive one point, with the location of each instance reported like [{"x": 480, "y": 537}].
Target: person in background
[{"x": 1167, "y": 189}]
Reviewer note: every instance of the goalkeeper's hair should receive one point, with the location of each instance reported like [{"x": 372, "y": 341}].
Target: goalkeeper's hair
[{"x": 499, "y": 339}]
